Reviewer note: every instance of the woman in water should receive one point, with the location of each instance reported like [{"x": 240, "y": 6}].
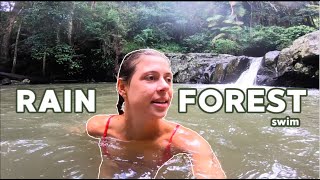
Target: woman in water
[{"x": 136, "y": 142}]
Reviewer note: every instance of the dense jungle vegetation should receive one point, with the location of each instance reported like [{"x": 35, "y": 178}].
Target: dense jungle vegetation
[{"x": 86, "y": 40}]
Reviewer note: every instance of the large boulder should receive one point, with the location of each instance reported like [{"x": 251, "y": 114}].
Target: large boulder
[
  {"x": 298, "y": 65},
  {"x": 294, "y": 66}
]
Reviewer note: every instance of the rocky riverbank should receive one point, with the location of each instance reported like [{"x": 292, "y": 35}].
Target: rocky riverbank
[{"x": 295, "y": 66}]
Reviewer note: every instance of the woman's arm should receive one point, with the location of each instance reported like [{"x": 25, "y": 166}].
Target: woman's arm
[{"x": 204, "y": 162}]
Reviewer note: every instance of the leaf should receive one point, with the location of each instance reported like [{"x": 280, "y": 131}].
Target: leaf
[
  {"x": 212, "y": 24},
  {"x": 217, "y": 37},
  {"x": 238, "y": 22},
  {"x": 224, "y": 28},
  {"x": 215, "y": 18},
  {"x": 228, "y": 21}
]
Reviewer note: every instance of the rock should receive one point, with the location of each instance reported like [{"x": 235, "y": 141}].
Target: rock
[
  {"x": 218, "y": 75},
  {"x": 5, "y": 81},
  {"x": 206, "y": 67},
  {"x": 26, "y": 81},
  {"x": 235, "y": 68},
  {"x": 15, "y": 82},
  {"x": 295, "y": 66},
  {"x": 268, "y": 69},
  {"x": 306, "y": 47},
  {"x": 285, "y": 61},
  {"x": 270, "y": 59},
  {"x": 298, "y": 64}
]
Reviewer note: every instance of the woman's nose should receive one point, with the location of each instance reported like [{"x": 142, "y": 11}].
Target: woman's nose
[{"x": 163, "y": 85}]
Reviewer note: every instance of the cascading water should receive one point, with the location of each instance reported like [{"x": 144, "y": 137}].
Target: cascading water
[{"x": 248, "y": 77}]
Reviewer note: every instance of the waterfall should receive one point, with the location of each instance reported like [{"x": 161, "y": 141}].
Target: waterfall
[{"x": 248, "y": 77}]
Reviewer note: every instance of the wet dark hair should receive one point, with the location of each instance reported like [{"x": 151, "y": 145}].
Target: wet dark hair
[{"x": 128, "y": 67}]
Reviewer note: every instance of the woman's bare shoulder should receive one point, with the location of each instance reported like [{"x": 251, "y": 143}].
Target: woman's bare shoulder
[
  {"x": 96, "y": 124},
  {"x": 183, "y": 131},
  {"x": 190, "y": 140}
]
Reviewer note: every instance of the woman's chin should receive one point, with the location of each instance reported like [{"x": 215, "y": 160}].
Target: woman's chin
[{"x": 159, "y": 115}]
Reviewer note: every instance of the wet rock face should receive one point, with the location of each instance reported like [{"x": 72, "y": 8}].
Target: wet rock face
[
  {"x": 268, "y": 70},
  {"x": 295, "y": 66},
  {"x": 207, "y": 68},
  {"x": 236, "y": 67}
]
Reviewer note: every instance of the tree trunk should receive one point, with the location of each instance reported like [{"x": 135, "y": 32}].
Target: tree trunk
[
  {"x": 70, "y": 25},
  {"x": 4, "y": 53},
  {"x": 250, "y": 27},
  {"x": 44, "y": 64},
  {"x": 104, "y": 49},
  {"x": 58, "y": 34},
  {"x": 118, "y": 49},
  {"x": 13, "y": 70},
  {"x": 93, "y": 5}
]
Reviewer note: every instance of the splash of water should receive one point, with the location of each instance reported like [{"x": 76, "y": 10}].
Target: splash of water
[{"x": 248, "y": 77}]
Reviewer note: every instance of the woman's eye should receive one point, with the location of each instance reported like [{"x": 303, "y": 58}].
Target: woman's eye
[
  {"x": 169, "y": 80},
  {"x": 150, "y": 78}
]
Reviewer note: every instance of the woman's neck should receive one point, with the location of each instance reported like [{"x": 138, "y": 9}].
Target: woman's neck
[{"x": 141, "y": 127}]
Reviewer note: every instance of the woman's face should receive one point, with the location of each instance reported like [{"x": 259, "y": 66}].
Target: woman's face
[{"x": 150, "y": 89}]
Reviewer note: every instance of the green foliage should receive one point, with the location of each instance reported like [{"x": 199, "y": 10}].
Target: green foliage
[
  {"x": 199, "y": 42},
  {"x": 265, "y": 37},
  {"x": 104, "y": 32},
  {"x": 277, "y": 38},
  {"x": 146, "y": 37},
  {"x": 63, "y": 53},
  {"x": 259, "y": 39},
  {"x": 292, "y": 33},
  {"x": 130, "y": 46},
  {"x": 150, "y": 37},
  {"x": 226, "y": 46},
  {"x": 171, "y": 48}
]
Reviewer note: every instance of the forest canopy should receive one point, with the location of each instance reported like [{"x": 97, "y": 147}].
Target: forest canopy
[{"x": 87, "y": 40}]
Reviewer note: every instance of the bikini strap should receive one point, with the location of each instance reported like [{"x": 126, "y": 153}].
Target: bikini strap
[
  {"x": 103, "y": 139},
  {"x": 107, "y": 126},
  {"x": 167, "y": 152},
  {"x": 170, "y": 140},
  {"x": 174, "y": 131}
]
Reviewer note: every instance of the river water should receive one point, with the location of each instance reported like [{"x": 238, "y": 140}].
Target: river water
[{"x": 55, "y": 145}]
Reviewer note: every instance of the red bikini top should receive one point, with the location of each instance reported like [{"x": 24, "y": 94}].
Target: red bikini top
[{"x": 167, "y": 152}]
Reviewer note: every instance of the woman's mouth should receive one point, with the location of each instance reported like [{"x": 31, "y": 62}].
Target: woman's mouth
[{"x": 160, "y": 103}]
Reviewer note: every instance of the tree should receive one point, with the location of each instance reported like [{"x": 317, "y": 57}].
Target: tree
[
  {"x": 9, "y": 24},
  {"x": 50, "y": 25},
  {"x": 13, "y": 70}
]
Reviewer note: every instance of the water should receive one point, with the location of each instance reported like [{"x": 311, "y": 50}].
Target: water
[
  {"x": 55, "y": 145},
  {"x": 248, "y": 77}
]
